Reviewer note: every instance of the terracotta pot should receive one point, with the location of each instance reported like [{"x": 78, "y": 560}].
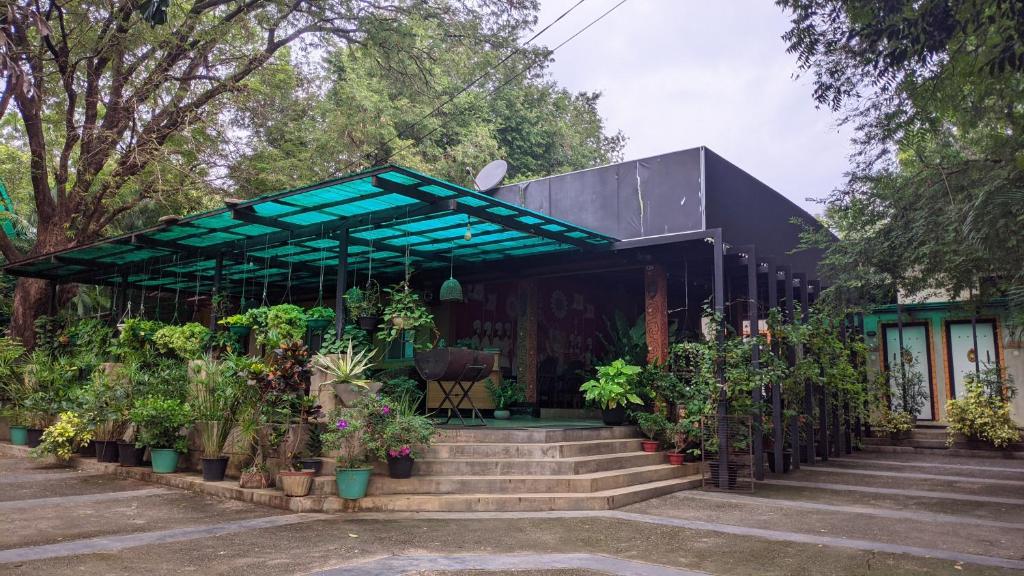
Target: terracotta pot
[
  {"x": 675, "y": 458},
  {"x": 649, "y": 445},
  {"x": 296, "y": 484}
]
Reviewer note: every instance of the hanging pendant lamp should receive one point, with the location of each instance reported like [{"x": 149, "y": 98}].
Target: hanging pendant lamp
[{"x": 451, "y": 290}]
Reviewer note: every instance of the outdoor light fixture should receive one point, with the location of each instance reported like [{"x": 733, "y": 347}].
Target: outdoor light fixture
[
  {"x": 469, "y": 231},
  {"x": 451, "y": 289}
]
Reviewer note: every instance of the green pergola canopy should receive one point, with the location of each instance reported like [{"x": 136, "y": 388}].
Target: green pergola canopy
[{"x": 293, "y": 238}]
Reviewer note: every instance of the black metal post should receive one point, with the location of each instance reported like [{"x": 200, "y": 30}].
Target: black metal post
[
  {"x": 51, "y": 304},
  {"x": 755, "y": 363},
  {"x": 778, "y": 432},
  {"x": 723, "y": 398},
  {"x": 218, "y": 271},
  {"x": 794, "y": 422},
  {"x": 974, "y": 336},
  {"x": 340, "y": 287},
  {"x": 800, "y": 280}
]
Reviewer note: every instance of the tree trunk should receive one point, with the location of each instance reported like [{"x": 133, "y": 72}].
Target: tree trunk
[{"x": 30, "y": 302}]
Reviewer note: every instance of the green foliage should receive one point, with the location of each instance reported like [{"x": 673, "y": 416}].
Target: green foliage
[
  {"x": 506, "y": 393},
  {"x": 106, "y": 402},
  {"x": 907, "y": 386},
  {"x": 344, "y": 435},
  {"x": 615, "y": 386},
  {"x": 331, "y": 344},
  {"x": 652, "y": 424},
  {"x": 187, "y": 341},
  {"x": 392, "y": 428},
  {"x": 236, "y": 320},
  {"x": 320, "y": 313},
  {"x": 895, "y": 422},
  {"x": 349, "y": 367},
  {"x": 982, "y": 414},
  {"x": 14, "y": 388},
  {"x": 216, "y": 395},
  {"x": 136, "y": 337},
  {"x": 932, "y": 89},
  {"x": 400, "y": 386},
  {"x": 363, "y": 302},
  {"x": 405, "y": 311},
  {"x": 63, "y": 438},
  {"x": 162, "y": 422},
  {"x": 625, "y": 340},
  {"x": 278, "y": 324}
]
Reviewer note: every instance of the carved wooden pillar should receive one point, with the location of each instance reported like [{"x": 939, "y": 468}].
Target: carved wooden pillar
[
  {"x": 656, "y": 312},
  {"x": 526, "y": 338}
]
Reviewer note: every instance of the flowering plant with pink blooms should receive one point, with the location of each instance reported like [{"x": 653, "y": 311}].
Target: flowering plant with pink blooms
[{"x": 393, "y": 428}]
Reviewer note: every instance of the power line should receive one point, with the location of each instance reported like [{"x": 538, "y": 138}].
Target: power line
[
  {"x": 472, "y": 83},
  {"x": 513, "y": 77}
]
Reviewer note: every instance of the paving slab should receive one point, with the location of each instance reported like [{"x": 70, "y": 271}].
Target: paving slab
[
  {"x": 322, "y": 544},
  {"x": 72, "y": 484},
  {"x": 865, "y": 479},
  {"x": 909, "y": 531},
  {"x": 994, "y": 472}
]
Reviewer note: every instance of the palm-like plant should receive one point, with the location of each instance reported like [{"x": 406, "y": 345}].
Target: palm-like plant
[
  {"x": 348, "y": 367},
  {"x": 215, "y": 397}
]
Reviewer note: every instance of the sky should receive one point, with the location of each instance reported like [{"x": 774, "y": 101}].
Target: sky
[{"x": 677, "y": 74}]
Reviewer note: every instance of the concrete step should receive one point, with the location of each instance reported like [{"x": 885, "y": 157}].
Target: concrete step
[
  {"x": 481, "y": 435},
  {"x": 582, "y": 483},
  {"x": 527, "y": 502},
  {"x": 536, "y": 467},
  {"x": 954, "y": 452},
  {"x": 931, "y": 444},
  {"x": 446, "y": 450}
]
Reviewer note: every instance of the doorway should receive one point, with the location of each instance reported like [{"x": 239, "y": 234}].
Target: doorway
[
  {"x": 963, "y": 358},
  {"x": 918, "y": 358}
]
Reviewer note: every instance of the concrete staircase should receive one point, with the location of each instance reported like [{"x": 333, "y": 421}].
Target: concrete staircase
[{"x": 519, "y": 470}]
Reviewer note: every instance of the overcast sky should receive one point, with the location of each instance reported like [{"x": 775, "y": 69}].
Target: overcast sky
[{"x": 677, "y": 74}]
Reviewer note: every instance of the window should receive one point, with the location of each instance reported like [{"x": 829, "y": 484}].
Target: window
[{"x": 401, "y": 348}]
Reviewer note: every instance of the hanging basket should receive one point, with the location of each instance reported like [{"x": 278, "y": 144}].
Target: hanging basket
[
  {"x": 317, "y": 324},
  {"x": 369, "y": 323},
  {"x": 451, "y": 291},
  {"x": 239, "y": 331}
]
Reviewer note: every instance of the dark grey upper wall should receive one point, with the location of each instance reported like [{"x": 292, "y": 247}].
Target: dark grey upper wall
[
  {"x": 750, "y": 212},
  {"x": 662, "y": 195},
  {"x": 647, "y": 197}
]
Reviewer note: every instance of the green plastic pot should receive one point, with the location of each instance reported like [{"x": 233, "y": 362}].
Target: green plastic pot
[
  {"x": 165, "y": 460},
  {"x": 317, "y": 324},
  {"x": 19, "y": 435},
  {"x": 352, "y": 482},
  {"x": 239, "y": 331}
]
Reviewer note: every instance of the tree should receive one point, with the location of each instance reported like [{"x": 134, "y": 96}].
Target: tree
[
  {"x": 934, "y": 89},
  {"x": 374, "y": 105},
  {"x": 111, "y": 94}
]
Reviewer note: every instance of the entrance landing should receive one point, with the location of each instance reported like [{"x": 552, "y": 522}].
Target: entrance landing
[{"x": 513, "y": 423}]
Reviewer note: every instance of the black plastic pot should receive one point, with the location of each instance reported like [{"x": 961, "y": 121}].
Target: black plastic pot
[
  {"x": 214, "y": 468},
  {"x": 400, "y": 466},
  {"x": 35, "y": 437},
  {"x": 106, "y": 451},
  {"x": 312, "y": 464},
  {"x": 129, "y": 455},
  {"x": 88, "y": 449},
  {"x": 787, "y": 461},
  {"x": 614, "y": 416},
  {"x": 732, "y": 471},
  {"x": 369, "y": 323}
]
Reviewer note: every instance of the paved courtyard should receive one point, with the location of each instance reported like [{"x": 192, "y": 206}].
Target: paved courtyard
[{"x": 869, "y": 514}]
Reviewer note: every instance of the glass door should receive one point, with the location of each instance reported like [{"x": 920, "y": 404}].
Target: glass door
[
  {"x": 962, "y": 354},
  {"x": 916, "y": 358}
]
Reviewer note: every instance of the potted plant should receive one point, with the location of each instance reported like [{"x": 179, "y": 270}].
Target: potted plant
[
  {"x": 279, "y": 324},
  {"x": 344, "y": 435},
  {"x": 651, "y": 424},
  {"x": 678, "y": 435},
  {"x": 505, "y": 394},
  {"x": 63, "y": 438},
  {"x": 309, "y": 458},
  {"x": 106, "y": 402},
  {"x": 162, "y": 424},
  {"x": 318, "y": 318},
  {"x": 393, "y": 430},
  {"x": 215, "y": 396},
  {"x": 347, "y": 372},
  {"x": 19, "y": 424},
  {"x": 896, "y": 423},
  {"x": 293, "y": 479},
  {"x": 612, "y": 390},
  {"x": 239, "y": 325},
  {"x": 405, "y": 311},
  {"x": 364, "y": 305},
  {"x": 187, "y": 341}
]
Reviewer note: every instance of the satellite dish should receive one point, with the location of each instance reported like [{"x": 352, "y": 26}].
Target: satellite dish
[{"x": 491, "y": 176}]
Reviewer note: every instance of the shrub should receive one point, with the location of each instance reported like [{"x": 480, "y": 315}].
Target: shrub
[
  {"x": 162, "y": 422},
  {"x": 981, "y": 416},
  {"x": 64, "y": 438},
  {"x": 651, "y": 423},
  {"x": 896, "y": 422},
  {"x": 614, "y": 385},
  {"x": 188, "y": 341}
]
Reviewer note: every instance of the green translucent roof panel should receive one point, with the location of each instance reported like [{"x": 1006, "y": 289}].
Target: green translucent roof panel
[{"x": 388, "y": 212}]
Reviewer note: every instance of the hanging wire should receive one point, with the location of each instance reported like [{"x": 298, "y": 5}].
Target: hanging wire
[
  {"x": 245, "y": 273},
  {"x": 177, "y": 289},
  {"x": 195, "y": 299},
  {"x": 142, "y": 297},
  {"x": 288, "y": 286},
  {"x": 266, "y": 270}
]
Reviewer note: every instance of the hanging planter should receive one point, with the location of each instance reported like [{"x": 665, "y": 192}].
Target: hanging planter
[
  {"x": 369, "y": 323},
  {"x": 319, "y": 318},
  {"x": 405, "y": 311},
  {"x": 451, "y": 290},
  {"x": 364, "y": 305}
]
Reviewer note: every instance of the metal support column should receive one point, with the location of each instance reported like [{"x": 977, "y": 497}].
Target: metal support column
[
  {"x": 723, "y": 398},
  {"x": 794, "y": 421},
  {"x": 755, "y": 363},
  {"x": 778, "y": 430},
  {"x": 800, "y": 280},
  {"x": 339, "y": 286},
  {"x": 51, "y": 303}
]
